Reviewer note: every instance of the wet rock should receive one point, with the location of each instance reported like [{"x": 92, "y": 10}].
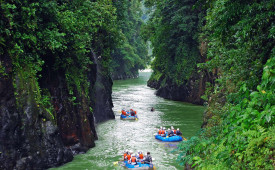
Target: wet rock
[
  {"x": 29, "y": 137},
  {"x": 78, "y": 149},
  {"x": 191, "y": 90},
  {"x": 26, "y": 142},
  {"x": 101, "y": 93}
]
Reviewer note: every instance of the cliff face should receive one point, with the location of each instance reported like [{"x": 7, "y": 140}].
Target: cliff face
[
  {"x": 39, "y": 136},
  {"x": 27, "y": 139},
  {"x": 101, "y": 93},
  {"x": 73, "y": 115},
  {"x": 190, "y": 92}
]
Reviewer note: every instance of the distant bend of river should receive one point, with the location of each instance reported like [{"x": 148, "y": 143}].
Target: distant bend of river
[{"x": 116, "y": 136}]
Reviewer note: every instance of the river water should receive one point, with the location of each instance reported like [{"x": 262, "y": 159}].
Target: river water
[{"x": 116, "y": 136}]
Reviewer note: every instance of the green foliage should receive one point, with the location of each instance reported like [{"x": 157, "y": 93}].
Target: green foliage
[
  {"x": 241, "y": 112},
  {"x": 240, "y": 35},
  {"x": 173, "y": 30},
  {"x": 59, "y": 36},
  {"x": 245, "y": 138},
  {"x": 2, "y": 70},
  {"x": 131, "y": 54}
]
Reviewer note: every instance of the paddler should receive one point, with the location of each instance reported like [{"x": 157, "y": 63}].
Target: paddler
[
  {"x": 140, "y": 155},
  {"x": 159, "y": 132},
  {"x": 133, "y": 160},
  {"x": 125, "y": 155},
  {"x": 178, "y": 132},
  {"x": 148, "y": 158},
  {"x": 128, "y": 157}
]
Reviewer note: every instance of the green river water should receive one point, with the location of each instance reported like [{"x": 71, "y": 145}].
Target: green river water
[{"x": 116, "y": 136}]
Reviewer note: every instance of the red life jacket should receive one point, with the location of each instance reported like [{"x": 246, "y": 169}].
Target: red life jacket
[
  {"x": 141, "y": 156},
  {"x": 123, "y": 112},
  {"x": 159, "y": 132},
  {"x": 134, "y": 159},
  {"x": 163, "y": 132},
  {"x": 128, "y": 157},
  {"x": 174, "y": 131}
]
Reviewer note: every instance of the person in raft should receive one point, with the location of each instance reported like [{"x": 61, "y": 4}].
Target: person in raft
[
  {"x": 174, "y": 130},
  {"x": 134, "y": 159},
  {"x": 132, "y": 112},
  {"x": 170, "y": 132},
  {"x": 124, "y": 112},
  {"x": 159, "y": 131},
  {"x": 128, "y": 157},
  {"x": 148, "y": 158},
  {"x": 125, "y": 155},
  {"x": 178, "y": 132},
  {"x": 163, "y": 132},
  {"x": 140, "y": 156}
]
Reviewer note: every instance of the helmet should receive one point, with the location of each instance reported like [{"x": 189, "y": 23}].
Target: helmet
[
  {"x": 178, "y": 128},
  {"x": 168, "y": 128},
  {"x": 163, "y": 128},
  {"x": 172, "y": 127}
]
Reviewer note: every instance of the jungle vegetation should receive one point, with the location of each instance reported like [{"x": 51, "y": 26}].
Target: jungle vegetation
[
  {"x": 239, "y": 131},
  {"x": 131, "y": 55},
  {"x": 61, "y": 35}
]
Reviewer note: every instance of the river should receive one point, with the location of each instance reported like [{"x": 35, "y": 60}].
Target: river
[{"x": 116, "y": 136}]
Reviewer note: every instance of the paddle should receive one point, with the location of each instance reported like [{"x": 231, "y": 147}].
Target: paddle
[
  {"x": 183, "y": 138},
  {"x": 115, "y": 163}
]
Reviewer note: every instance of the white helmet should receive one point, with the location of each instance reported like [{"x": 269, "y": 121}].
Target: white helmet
[
  {"x": 168, "y": 128},
  {"x": 160, "y": 127},
  {"x": 163, "y": 128},
  {"x": 178, "y": 128},
  {"x": 172, "y": 127}
]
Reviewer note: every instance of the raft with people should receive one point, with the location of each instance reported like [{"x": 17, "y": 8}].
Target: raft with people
[
  {"x": 171, "y": 135},
  {"x": 169, "y": 139},
  {"x": 128, "y": 115},
  {"x": 137, "y": 161},
  {"x": 138, "y": 165}
]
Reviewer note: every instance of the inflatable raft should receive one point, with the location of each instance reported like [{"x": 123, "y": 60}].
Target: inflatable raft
[
  {"x": 128, "y": 117},
  {"x": 169, "y": 139},
  {"x": 139, "y": 165}
]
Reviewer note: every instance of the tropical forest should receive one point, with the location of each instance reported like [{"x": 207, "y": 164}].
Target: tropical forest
[{"x": 137, "y": 84}]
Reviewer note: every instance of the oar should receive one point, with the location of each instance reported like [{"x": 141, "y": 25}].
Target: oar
[
  {"x": 184, "y": 138},
  {"x": 115, "y": 163}
]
